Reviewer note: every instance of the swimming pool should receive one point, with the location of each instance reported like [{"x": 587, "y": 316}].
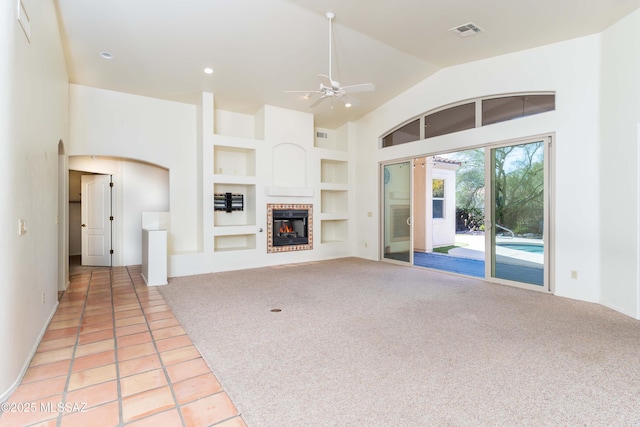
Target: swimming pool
[{"x": 525, "y": 247}]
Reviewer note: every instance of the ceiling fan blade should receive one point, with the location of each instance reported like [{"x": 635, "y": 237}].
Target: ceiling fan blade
[
  {"x": 364, "y": 87},
  {"x": 317, "y": 101},
  {"x": 325, "y": 80}
]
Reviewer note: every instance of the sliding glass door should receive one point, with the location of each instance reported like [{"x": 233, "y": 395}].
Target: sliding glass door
[
  {"x": 397, "y": 212},
  {"x": 483, "y": 212},
  {"x": 517, "y": 214}
]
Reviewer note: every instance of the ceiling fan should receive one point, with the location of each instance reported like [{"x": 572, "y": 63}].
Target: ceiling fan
[{"x": 330, "y": 88}]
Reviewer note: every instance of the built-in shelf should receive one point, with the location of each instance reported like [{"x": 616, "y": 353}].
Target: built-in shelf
[
  {"x": 234, "y": 161},
  {"x": 334, "y": 230},
  {"x": 235, "y": 179},
  {"x": 334, "y": 171},
  {"x": 234, "y": 242},
  {"x": 231, "y": 168},
  {"x": 236, "y": 218},
  {"x": 332, "y": 148},
  {"x": 330, "y": 140},
  {"x": 332, "y": 201}
]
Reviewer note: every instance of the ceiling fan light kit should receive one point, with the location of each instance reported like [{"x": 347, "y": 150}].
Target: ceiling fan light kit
[{"x": 330, "y": 88}]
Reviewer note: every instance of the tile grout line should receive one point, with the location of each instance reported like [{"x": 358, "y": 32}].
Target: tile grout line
[
  {"x": 75, "y": 349},
  {"x": 153, "y": 340},
  {"x": 164, "y": 368},
  {"x": 115, "y": 349}
]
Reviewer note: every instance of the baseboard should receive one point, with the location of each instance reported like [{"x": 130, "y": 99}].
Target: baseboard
[
  {"x": 4, "y": 396},
  {"x": 621, "y": 310}
]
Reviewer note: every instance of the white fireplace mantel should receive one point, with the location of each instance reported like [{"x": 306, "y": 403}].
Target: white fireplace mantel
[{"x": 290, "y": 191}]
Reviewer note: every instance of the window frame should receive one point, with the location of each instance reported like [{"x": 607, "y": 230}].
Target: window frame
[
  {"x": 478, "y": 114},
  {"x": 439, "y": 199}
]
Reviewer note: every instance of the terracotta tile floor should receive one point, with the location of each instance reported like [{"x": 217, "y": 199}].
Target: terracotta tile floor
[{"x": 115, "y": 355}]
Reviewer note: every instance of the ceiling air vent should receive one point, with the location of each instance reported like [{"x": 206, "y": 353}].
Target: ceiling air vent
[{"x": 466, "y": 30}]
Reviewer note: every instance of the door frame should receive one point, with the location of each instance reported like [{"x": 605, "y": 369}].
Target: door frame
[
  {"x": 548, "y": 233},
  {"x": 381, "y": 214},
  {"x": 549, "y": 215}
]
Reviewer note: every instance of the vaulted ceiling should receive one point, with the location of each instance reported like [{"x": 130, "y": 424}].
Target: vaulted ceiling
[{"x": 258, "y": 49}]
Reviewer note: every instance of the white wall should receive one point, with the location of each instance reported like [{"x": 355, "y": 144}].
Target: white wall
[
  {"x": 107, "y": 123},
  {"x": 139, "y": 187},
  {"x": 234, "y": 124},
  {"x": 572, "y": 70},
  {"x": 33, "y": 119},
  {"x": 444, "y": 229},
  {"x": 619, "y": 166}
]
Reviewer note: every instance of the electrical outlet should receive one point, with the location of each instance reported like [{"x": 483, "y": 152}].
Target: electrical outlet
[
  {"x": 43, "y": 294},
  {"x": 369, "y": 214},
  {"x": 574, "y": 274},
  {"x": 366, "y": 244}
]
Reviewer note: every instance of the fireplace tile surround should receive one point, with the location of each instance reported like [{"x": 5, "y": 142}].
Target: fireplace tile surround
[{"x": 271, "y": 234}]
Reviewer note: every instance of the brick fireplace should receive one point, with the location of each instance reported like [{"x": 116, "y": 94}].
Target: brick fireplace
[{"x": 289, "y": 227}]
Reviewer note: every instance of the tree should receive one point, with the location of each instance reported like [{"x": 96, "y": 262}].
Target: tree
[
  {"x": 519, "y": 187},
  {"x": 469, "y": 190},
  {"x": 470, "y": 179}
]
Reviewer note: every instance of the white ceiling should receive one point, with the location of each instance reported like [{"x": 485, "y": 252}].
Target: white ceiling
[{"x": 260, "y": 48}]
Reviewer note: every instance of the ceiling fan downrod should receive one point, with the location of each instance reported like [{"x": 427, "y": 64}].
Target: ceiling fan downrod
[{"x": 330, "y": 16}]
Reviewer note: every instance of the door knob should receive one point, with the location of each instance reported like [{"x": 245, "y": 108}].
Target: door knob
[{"x": 83, "y": 225}]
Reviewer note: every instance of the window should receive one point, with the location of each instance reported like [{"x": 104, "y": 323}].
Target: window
[
  {"x": 451, "y": 120},
  {"x": 407, "y": 133},
  {"x": 497, "y": 110},
  {"x": 437, "y": 197},
  {"x": 463, "y": 117}
]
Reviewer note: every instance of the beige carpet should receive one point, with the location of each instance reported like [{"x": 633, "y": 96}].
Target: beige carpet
[{"x": 361, "y": 343}]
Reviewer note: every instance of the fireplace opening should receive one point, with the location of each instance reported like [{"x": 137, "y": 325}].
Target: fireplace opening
[{"x": 290, "y": 227}]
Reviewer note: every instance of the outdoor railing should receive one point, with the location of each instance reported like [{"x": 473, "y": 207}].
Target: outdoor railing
[{"x": 506, "y": 229}]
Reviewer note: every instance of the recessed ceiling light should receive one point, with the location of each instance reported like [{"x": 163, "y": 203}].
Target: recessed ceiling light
[
  {"x": 106, "y": 54},
  {"x": 348, "y": 104},
  {"x": 208, "y": 70}
]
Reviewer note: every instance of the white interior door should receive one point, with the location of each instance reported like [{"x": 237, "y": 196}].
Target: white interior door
[{"x": 96, "y": 220}]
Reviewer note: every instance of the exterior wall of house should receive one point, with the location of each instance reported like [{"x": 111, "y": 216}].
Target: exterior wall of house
[
  {"x": 572, "y": 70},
  {"x": 444, "y": 229},
  {"x": 33, "y": 121},
  {"x": 618, "y": 213},
  {"x": 429, "y": 232}
]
